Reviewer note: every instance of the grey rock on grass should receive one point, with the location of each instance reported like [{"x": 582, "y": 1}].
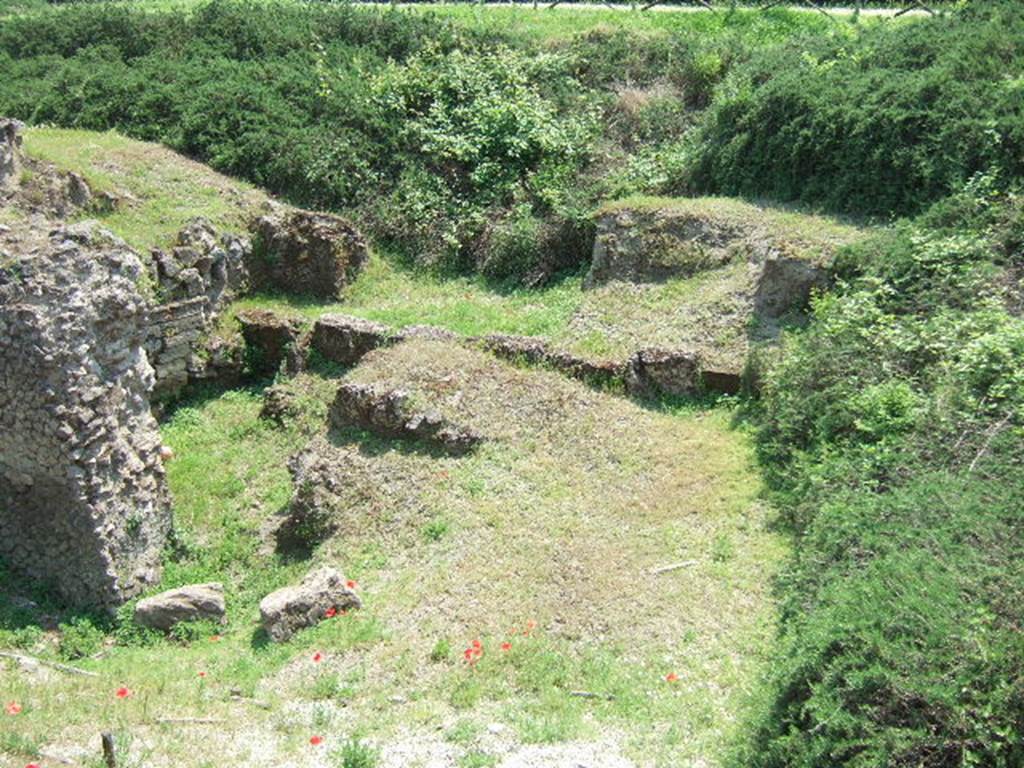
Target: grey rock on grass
[
  {"x": 290, "y": 609},
  {"x": 191, "y": 603}
]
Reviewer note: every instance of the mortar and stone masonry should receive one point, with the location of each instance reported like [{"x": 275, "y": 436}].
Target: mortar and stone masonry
[{"x": 87, "y": 343}]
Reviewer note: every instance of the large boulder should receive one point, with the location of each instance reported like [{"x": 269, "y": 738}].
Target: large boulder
[
  {"x": 661, "y": 372},
  {"x": 390, "y": 413},
  {"x": 197, "y": 602},
  {"x": 306, "y": 253},
  {"x": 344, "y": 340},
  {"x": 290, "y": 609}
]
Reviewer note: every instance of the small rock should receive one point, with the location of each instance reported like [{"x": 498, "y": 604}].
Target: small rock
[
  {"x": 191, "y": 603},
  {"x": 286, "y": 611}
]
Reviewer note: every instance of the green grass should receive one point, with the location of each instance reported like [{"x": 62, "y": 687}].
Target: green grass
[
  {"x": 160, "y": 190},
  {"x": 534, "y": 504},
  {"x": 527, "y": 24}
]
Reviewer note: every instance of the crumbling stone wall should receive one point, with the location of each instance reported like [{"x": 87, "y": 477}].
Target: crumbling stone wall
[
  {"x": 194, "y": 281},
  {"x": 83, "y": 499},
  {"x": 306, "y": 253}
]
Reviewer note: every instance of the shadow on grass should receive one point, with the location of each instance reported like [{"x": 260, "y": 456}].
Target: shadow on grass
[{"x": 29, "y": 606}]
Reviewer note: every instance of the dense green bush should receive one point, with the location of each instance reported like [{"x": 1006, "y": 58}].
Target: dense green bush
[
  {"x": 893, "y": 437},
  {"x": 882, "y": 124}
]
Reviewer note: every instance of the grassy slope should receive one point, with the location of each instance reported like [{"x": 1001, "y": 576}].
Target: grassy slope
[
  {"x": 161, "y": 190},
  {"x": 552, "y": 522}
]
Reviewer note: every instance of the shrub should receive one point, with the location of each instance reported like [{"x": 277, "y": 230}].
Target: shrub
[
  {"x": 882, "y": 124},
  {"x": 80, "y": 638},
  {"x": 891, "y": 431},
  {"x": 356, "y": 754}
]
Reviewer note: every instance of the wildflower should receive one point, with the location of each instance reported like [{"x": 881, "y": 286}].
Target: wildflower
[
  {"x": 14, "y": 708},
  {"x": 316, "y": 740},
  {"x": 530, "y": 626},
  {"x": 671, "y": 677},
  {"x": 202, "y": 674},
  {"x": 506, "y": 646},
  {"x": 32, "y": 765},
  {"x": 123, "y": 693},
  {"x": 318, "y": 657},
  {"x": 351, "y": 584},
  {"x": 477, "y": 644},
  {"x": 214, "y": 638},
  {"x": 331, "y": 612}
]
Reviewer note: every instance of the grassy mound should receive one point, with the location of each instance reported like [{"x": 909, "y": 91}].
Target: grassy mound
[
  {"x": 158, "y": 190},
  {"x": 558, "y": 521}
]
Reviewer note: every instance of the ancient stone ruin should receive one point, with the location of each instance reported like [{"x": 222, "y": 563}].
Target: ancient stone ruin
[
  {"x": 302, "y": 252},
  {"x": 83, "y": 501},
  {"x": 391, "y": 413},
  {"x": 91, "y": 335}
]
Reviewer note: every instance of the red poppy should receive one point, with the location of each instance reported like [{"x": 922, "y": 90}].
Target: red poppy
[
  {"x": 506, "y": 646},
  {"x": 123, "y": 693},
  {"x": 331, "y": 612},
  {"x": 32, "y": 765},
  {"x": 316, "y": 740},
  {"x": 671, "y": 677},
  {"x": 530, "y": 626},
  {"x": 202, "y": 674},
  {"x": 318, "y": 657},
  {"x": 14, "y": 708},
  {"x": 477, "y": 644},
  {"x": 214, "y": 638},
  {"x": 351, "y": 584}
]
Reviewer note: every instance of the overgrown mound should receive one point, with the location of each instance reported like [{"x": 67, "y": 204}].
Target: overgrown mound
[
  {"x": 885, "y": 123},
  {"x": 463, "y": 147},
  {"x": 893, "y": 432}
]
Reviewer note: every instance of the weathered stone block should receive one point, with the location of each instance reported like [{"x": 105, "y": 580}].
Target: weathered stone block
[
  {"x": 290, "y": 609},
  {"x": 306, "y": 253},
  {"x": 390, "y": 413},
  {"x": 785, "y": 285},
  {"x": 192, "y": 603},
  {"x": 344, "y": 340},
  {"x": 658, "y": 372},
  {"x": 270, "y": 339}
]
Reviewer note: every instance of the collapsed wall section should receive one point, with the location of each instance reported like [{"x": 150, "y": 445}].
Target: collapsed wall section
[{"x": 84, "y": 505}]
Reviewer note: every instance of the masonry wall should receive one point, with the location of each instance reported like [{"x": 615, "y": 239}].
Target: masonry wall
[{"x": 83, "y": 500}]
